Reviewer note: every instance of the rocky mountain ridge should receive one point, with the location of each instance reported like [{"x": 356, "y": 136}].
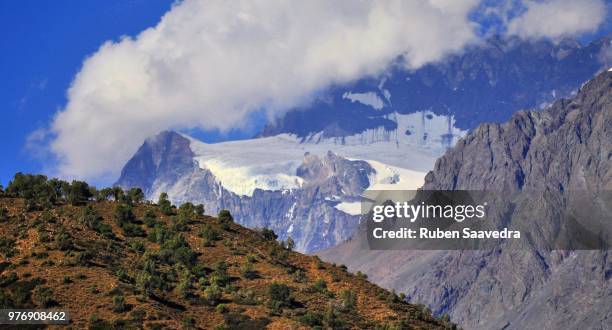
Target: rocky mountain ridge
[{"x": 564, "y": 151}]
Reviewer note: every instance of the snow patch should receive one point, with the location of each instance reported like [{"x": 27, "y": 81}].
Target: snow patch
[
  {"x": 352, "y": 208},
  {"x": 389, "y": 177},
  {"x": 369, "y": 98}
]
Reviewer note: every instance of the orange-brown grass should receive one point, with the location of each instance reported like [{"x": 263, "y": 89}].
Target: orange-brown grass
[{"x": 86, "y": 290}]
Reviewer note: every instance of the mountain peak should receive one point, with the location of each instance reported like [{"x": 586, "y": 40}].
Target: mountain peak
[{"x": 163, "y": 155}]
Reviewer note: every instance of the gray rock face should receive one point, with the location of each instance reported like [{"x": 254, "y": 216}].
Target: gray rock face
[
  {"x": 164, "y": 157},
  {"x": 565, "y": 150},
  {"x": 165, "y": 163}
]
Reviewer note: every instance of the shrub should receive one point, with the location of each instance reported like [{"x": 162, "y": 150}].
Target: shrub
[
  {"x": 183, "y": 287},
  {"x": 299, "y": 276},
  {"x": 4, "y": 217},
  {"x": 209, "y": 235},
  {"x": 219, "y": 275},
  {"x": 81, "y": 258},
  {"x": 175, "y": 249},
  {"x": 319, "y": 285},
  {"x": 123, "y": 275},
  {"x": 132, "y": 230},
  {"x": 188, "y": 322},
  {"x": 44, "y": 297},
  {"x": 149, "y": 219},
  {"x": 248, "y": 271},
  {"x": 331, "y": 318},
  {"x": 212, "y": 294},
  {"x": 222, "y": 308},
  {"x": 179, "y": 223},
  {"x": 240, "y": 321},
  {"x": 245, "y": 297},
  {"x": 119, "y": 305},
  {"x": 268, "y": 234},
  {"x": 144, "y": 283},
  {"x": 90, "y": 218},
  {"x": 62, "y": 240},
  {"x": 348, "y": 300},
  {"x": 312, "y": 319},
  {"x": 123, "y": 214},
  {"x": 136, "y": 245},
  {"x": 281, "y": 293},
  {"x": 7, "y": 247}
]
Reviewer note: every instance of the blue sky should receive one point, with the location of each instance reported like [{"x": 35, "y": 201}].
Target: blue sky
[{"x": 43, "y": 45}]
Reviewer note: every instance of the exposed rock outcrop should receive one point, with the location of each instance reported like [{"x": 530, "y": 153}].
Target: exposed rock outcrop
[{"x": 565, "y": 151}]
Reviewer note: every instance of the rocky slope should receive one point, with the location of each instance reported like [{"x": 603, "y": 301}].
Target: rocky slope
[
  {"x": 564, "y": 151},
  {"x": 114, "y": 266}
]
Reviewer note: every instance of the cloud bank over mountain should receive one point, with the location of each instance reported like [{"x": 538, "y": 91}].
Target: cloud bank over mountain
[
  {"x": 210, "y": 64},
  {"x": 558, "y": 18}
]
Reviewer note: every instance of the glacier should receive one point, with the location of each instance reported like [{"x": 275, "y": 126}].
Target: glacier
[{"x": 400, "y": 157}]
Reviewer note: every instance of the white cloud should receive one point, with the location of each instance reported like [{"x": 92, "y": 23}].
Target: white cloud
[
  {"x": 558, "y": 18},
  {"x": 209, "y": 64}
]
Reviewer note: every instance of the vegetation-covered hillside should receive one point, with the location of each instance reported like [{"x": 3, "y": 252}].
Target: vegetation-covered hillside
[{"x": 115, "y": 261}]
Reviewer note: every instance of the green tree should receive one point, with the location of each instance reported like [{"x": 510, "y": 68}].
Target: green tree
[
  {"x": 104, "y": 194},
  {"x": 164, "y": 204},
  {"x": 199, "y": 209},
  {"x": 187, "y": 209},
  {"x": 79, "y": 193},
  {"x": 118, "y": 194},
  {"x": 135, "y": 196},
  {"x": 269, "y": 234},
  {"x": 225, "y": 218},
  {"x": 290, "y": 243}
]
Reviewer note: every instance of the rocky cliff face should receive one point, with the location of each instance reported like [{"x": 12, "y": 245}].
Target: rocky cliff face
[{"x": 565, "y": 151}]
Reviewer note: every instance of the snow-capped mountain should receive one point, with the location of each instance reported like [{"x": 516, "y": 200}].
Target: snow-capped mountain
[
  {"x": 306, "y": 188},
  {"x": 298, "y": 176}
]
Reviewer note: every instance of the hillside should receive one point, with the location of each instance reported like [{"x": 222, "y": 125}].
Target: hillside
[
  {"x": 131, "y": 264},
  {"x": 564, "y": 151}
]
